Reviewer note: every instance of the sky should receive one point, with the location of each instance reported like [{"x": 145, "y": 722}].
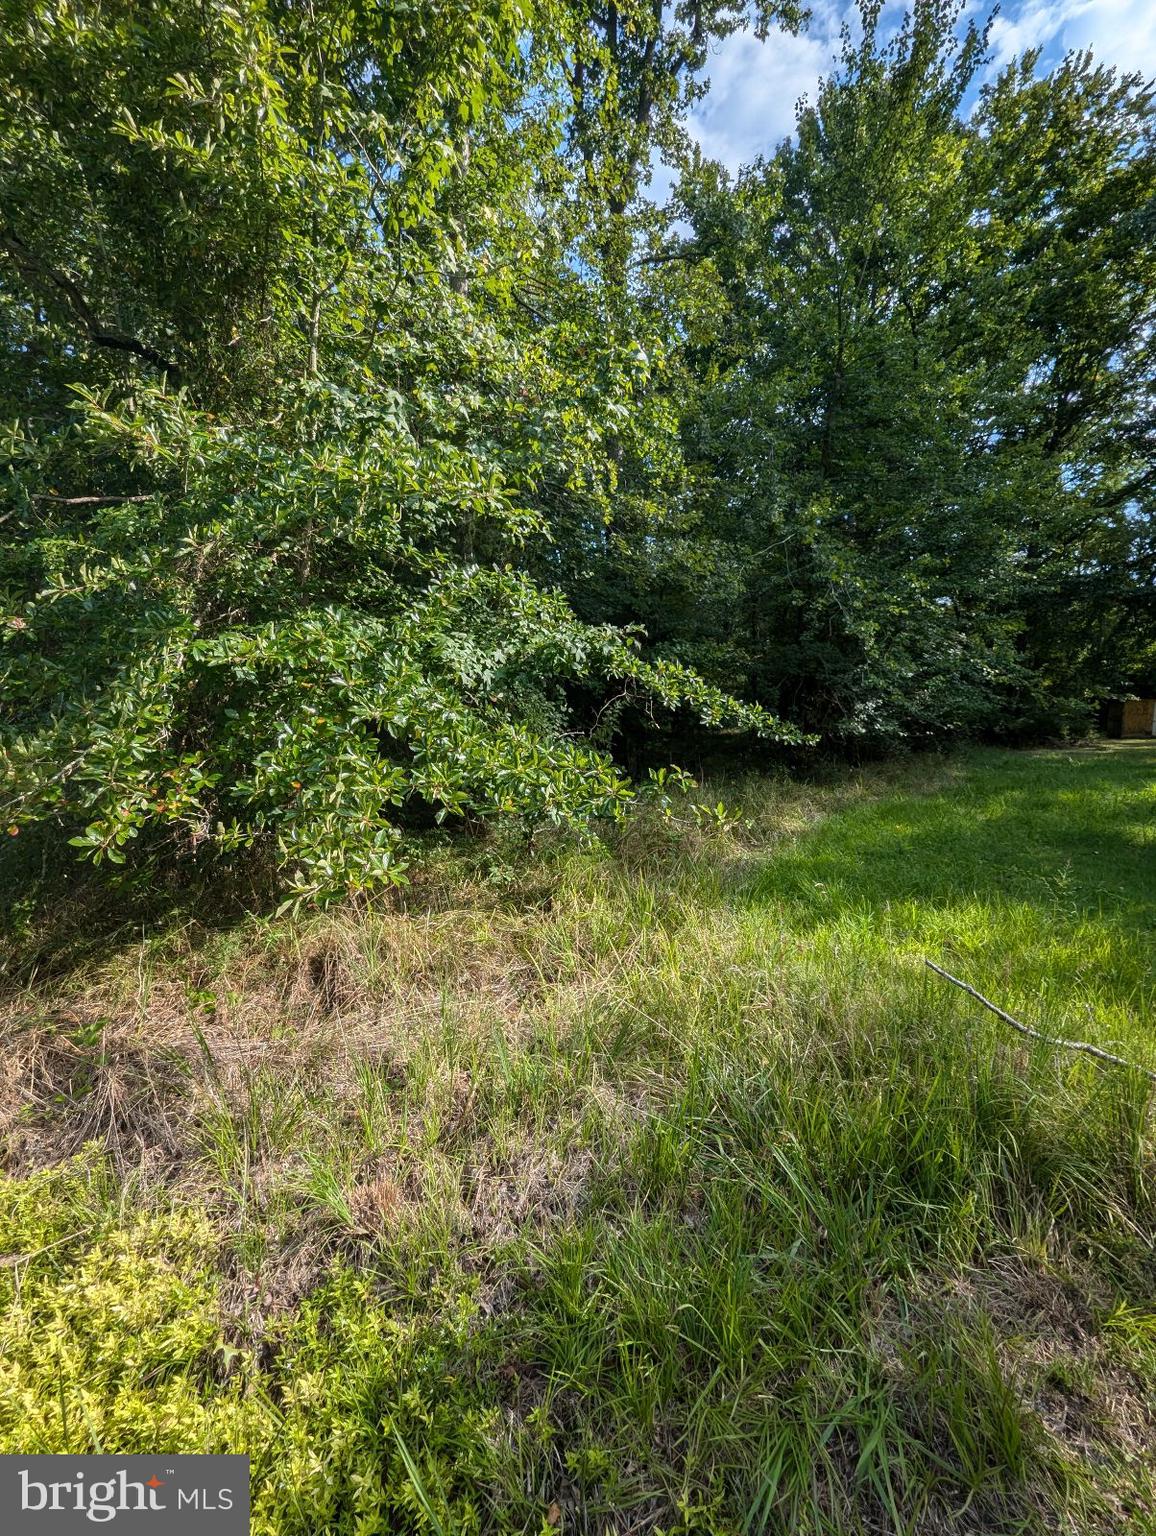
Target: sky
[{"x": 754, "y": 86}]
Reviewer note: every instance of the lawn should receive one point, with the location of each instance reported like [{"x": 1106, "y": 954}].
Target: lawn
[{"x": 651, "y": 1187}]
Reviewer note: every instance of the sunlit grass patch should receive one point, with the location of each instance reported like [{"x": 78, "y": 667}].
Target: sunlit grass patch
[{"x": 679, "y": 1197}]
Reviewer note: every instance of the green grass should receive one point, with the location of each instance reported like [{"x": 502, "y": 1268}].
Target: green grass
[
  {"x": 1035, "y": 871},
  {"x": 655, "y": 1188}
]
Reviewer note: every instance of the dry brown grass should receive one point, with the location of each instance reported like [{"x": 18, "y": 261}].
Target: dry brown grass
[{"x": 223, "y": 1074}]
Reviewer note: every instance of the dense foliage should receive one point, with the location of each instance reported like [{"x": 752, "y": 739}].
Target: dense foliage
[
  {"x": 278, "y": 450},
  {"x": 919, "y": 351},
  {"x": 376, "y": 450}
]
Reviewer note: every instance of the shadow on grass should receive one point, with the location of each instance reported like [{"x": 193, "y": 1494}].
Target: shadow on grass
[{"x": 58, "y": 915}]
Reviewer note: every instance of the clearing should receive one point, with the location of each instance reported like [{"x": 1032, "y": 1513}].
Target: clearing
[{"x": 652, "y": 1188}]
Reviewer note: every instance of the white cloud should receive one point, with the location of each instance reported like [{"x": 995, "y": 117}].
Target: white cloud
[
  {"x": 1119, "y": 32},
  {"x": 1038, "y": 24},
  {"x": 754, "y": 86}
]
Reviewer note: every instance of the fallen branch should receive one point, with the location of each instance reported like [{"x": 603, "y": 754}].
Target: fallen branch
[{"x": 1034, "y": 1034}]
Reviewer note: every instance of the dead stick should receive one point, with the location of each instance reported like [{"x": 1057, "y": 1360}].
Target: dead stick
[
  {"x": 91, "y": 501},
  {"x": 1034, "y": 1034}
]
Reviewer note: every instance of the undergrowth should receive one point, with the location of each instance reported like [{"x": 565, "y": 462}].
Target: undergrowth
[{"x": 652, "y": 1188}]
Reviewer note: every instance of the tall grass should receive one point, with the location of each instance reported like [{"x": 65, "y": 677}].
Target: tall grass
[{"x": 660, "y": 1189}]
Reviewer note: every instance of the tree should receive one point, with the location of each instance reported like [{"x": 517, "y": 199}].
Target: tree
[
  {"x": 633, "y": 68},
  {"x": 1065, "y": 320},
  {"x": 893, "y": 443},
  {"x": 275, "y": 465}
]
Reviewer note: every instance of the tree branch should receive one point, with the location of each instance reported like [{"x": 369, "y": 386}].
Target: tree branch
[
  {"x": 689, "y": 252},
  {"x": 40, "y": 274},
  {"x": 91, "y": 501},
  {"x": 1034, "y": 1034}
]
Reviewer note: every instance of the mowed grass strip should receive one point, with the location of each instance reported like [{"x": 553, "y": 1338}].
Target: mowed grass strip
[{"x": 657, "y": 1188}]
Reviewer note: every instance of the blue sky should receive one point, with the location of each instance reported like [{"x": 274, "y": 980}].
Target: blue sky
[{"x": 754, "y": 86}]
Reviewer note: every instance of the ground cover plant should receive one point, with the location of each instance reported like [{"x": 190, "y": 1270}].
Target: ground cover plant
[{"x": 651, "y": 1186}]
